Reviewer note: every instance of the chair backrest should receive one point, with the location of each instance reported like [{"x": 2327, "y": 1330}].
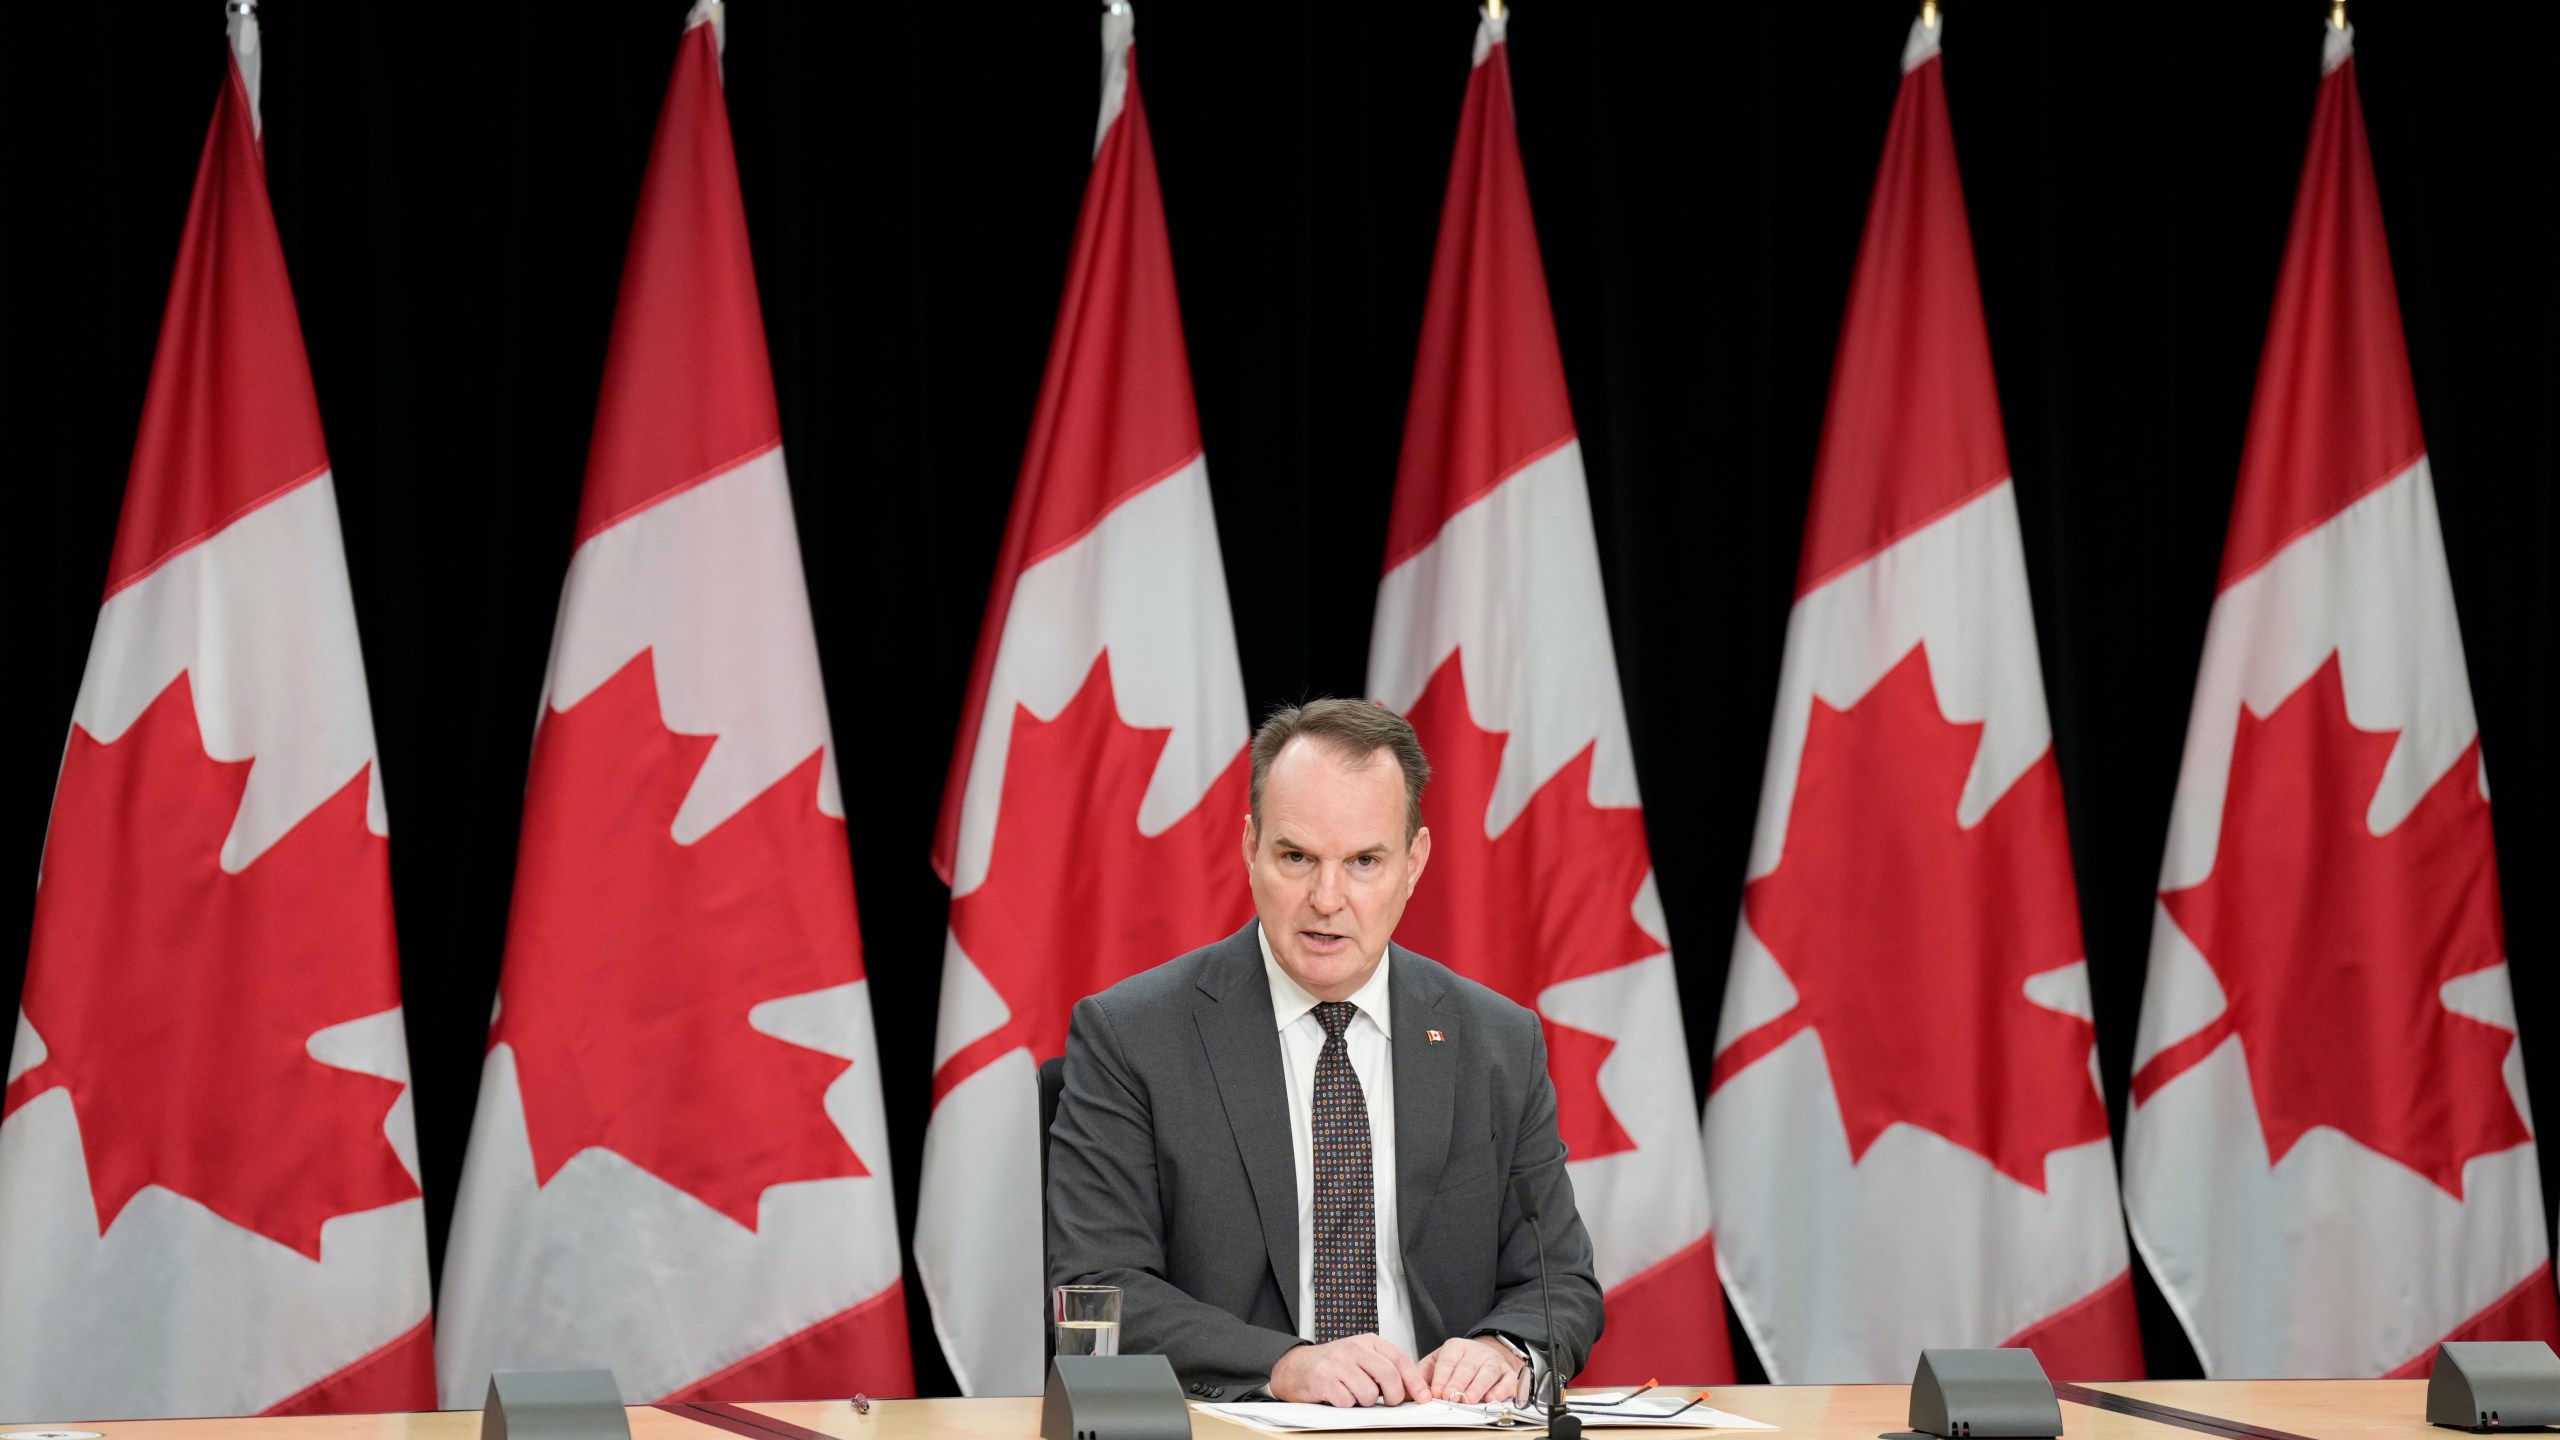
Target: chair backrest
[{"x": 1053, "y": 1083}]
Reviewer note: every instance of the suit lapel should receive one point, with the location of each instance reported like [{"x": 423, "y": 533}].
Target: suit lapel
[
  {"x": 1426, "y": 1092},
  {"x": 1237, "y": 1029}
]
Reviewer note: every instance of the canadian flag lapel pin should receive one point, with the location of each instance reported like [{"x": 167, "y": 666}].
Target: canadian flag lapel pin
[{"x": 1434, "y": 1036}]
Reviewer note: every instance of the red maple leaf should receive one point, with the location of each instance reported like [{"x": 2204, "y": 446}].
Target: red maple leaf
[
  {"x": 2332, "y": 942},
  {"x": 177, "y": 1001},
  {"x": 1076, "y": 898},
  {"x": 1550, "y": 899},
  {"x": 633, "y": 960},
  {"x": 1909, "y": 937}
]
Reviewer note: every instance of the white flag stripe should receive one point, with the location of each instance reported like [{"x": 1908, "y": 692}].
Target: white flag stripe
[
  {"x": 261, "y": 620},
  {"x": 1133, "y": 585}
]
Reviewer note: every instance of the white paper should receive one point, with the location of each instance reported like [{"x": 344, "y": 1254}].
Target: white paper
[
  {"x": 1424, "y": 1415},
  {"x": 1653, "y": 1411}
]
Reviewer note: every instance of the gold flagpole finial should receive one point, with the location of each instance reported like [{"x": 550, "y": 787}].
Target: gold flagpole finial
[
  {"x": 1929, "y": 13},
  {"x": 2337, "y": 14},
  {"x": 1493, "y": 9}
]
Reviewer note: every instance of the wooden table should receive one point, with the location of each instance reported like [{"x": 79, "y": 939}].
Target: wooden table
[
  {"x": 2276, "y": 1409},
  {"x": 2141, "y": 1410}
]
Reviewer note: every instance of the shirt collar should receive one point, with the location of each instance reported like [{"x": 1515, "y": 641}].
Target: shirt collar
[{"x": 1290, "y": 1000}]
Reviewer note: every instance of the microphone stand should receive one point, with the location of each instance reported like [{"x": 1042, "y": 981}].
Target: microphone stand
[{"x": 1562, "y": 1423}]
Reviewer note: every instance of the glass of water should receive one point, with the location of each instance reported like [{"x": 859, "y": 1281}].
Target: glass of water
[{"x": 1087, "y": 1318}]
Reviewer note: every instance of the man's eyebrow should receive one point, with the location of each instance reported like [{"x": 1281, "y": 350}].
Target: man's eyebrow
[{"x": 1280, "y": 841}]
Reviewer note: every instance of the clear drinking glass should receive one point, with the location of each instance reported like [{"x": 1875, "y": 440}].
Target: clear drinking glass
[{"x": 1088, "y": 1319}]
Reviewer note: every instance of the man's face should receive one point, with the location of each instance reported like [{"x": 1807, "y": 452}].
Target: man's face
[{"x": 1330, "y": 865}]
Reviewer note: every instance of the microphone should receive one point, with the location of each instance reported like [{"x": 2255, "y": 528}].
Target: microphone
[{"x": 1562, "y": 1423}]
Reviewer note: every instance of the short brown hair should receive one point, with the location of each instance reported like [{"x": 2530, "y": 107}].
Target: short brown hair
[{"x": 1356, "y": 729}]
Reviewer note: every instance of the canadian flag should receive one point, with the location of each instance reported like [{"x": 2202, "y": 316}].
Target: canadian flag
[
  {"x": 1492, "y": 638},
  {"x": 678, "y": 1167},
  {"x": 2329, "y": 1165},
  {"x": 1904, "y": 1125},
  {"x": 1089, "y": 825},
  {"x": 209, "y": 1200}
]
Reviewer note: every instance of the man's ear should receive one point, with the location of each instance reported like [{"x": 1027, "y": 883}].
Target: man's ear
[
  {"x": 1251, "y": 838},
  {"x": 1419, "y": 847}
]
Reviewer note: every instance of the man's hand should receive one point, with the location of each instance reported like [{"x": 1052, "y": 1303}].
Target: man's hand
[
  {"x": 1355, "y": 1370},
  {"x": 1474, "y": 1371}
]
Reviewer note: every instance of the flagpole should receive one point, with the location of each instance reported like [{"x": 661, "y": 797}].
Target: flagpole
[
  {"x": 2337, "y": 14},
  {"x": 240, "y": 23},
  {"x": 1929, "y": 13}
]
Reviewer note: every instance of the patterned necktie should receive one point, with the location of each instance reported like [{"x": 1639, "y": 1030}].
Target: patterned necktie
[{"x": 1346, "y": 1227}]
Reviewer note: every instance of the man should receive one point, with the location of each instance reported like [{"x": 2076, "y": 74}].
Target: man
[{"x": 1295, "y": 1151}]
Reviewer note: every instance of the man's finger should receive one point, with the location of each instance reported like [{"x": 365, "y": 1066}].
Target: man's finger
[
  {"x": 1448, "y": 1371},
  {"x": 1416, "y": 1377},
  {"x": 1434, "y": 1368},
  {"x": 1379, "y": 1362},
  {"x": 1497, "y": 1381},
  {"x": 1480, "y": 1374},
  {"x": 1489, "y": 1373},
  {"x": 1408, "y": 1376},
  {"x": 1467, "y": 1373}
]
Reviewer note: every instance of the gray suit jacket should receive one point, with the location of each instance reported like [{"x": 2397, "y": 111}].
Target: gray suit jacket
[{"x": 1171, "y": 1173}]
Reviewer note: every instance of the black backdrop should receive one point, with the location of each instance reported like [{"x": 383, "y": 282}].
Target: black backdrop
[{"x": 454, "y": 186}]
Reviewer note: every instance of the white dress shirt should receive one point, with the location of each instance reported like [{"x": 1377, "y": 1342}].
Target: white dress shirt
[{"x": 1373, "y": 1060}]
